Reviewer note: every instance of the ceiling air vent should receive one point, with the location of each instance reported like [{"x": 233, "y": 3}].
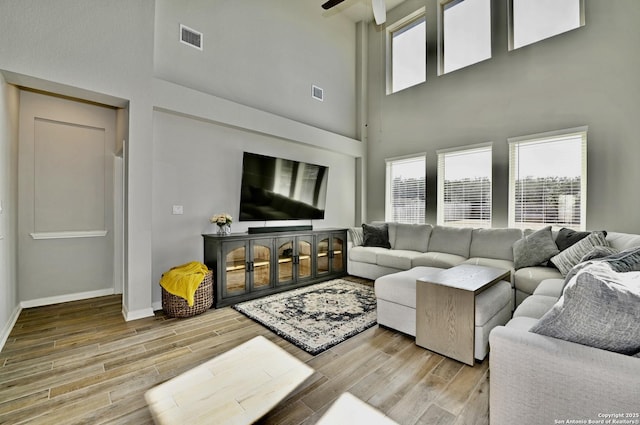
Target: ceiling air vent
[
  {"x": 317, "y": 93},
  {"x": 191, "y": 37}
]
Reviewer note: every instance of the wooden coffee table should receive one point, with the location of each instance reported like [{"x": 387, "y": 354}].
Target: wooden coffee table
[
  {"x": 446, "y": 309},
  {"x": 236, "y": 387}
]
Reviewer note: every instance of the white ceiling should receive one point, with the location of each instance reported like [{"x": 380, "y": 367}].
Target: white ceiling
[{"x": 357, "y": 10}]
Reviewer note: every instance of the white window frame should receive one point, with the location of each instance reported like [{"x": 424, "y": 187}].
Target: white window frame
[
  {"x": 388, "y": 203},
  {"x": 511, "y": 25},
  {"x": 442, "y": 6},
  {"x": 400, "y": 25},
  {"x": 441, "y": 209},
  {"x": 552, "y": 136}
]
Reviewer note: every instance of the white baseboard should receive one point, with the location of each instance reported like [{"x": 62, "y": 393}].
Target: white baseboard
[
  {"x": 156, "y": 305},
  {"x": 136, "y": 314},
  {"x": 4, "y": 334},
  {"x": 66, "y": 298}
]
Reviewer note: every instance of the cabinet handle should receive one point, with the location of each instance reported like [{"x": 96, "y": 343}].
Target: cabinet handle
[
  {"x": 247, "y": 266},
  {"x": 296, "y": 259}
]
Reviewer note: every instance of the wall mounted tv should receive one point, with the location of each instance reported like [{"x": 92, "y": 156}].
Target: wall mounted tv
[{"x": 281, "y": 189}]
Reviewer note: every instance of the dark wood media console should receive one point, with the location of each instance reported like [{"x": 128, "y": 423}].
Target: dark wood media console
[{"x": 247, "y": 266}]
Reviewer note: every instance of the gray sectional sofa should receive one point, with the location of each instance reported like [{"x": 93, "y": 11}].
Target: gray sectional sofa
[{"x": 535, "y": 378}]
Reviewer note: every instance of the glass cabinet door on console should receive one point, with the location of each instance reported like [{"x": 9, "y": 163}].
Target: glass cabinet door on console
[
  {"x": 337, "y": 253},
  {"x": 260, "y": 264},
  {"x": 294, "y": 259},
  {"x": 330, "y": 253},
  {"x": 247, "y": 266},
  {"x": 235, "y": 270}
]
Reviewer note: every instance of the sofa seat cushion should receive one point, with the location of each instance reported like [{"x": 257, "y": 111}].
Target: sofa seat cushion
[
  {"x": 442, "y": 260},
  {"x": 550, "y": 288},
  {"x": 522, "y": 323},
  {"x": 451, "y": 240},
  {"x": 535, "y": 306},
  {"x": 397, "y": 258},
  {"x": 528, "y": 278},
  {"x": 491, "y": 262},
  {"x": 400, "y": 288},
  {"x": 366, "y": 254},
  {"x": 494, "y": 243},
  {"x": 490, "y": 301}
]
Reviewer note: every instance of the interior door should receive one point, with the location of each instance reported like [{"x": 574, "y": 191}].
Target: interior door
[{"x": 65, "y": 199}]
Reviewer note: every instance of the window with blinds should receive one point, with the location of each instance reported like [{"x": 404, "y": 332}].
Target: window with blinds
[
  {"x": 464, "y": 186},
  {"x": 405, "y": 200},
  {"x": 548, "y": 180}
]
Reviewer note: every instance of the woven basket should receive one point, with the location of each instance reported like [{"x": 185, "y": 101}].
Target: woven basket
[{"x": 175, "y": 306}]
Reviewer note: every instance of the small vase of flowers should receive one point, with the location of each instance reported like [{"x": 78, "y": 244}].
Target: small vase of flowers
[{"x": 223, "y": 221}]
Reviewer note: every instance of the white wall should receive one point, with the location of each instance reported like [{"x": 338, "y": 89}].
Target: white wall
[
  {"x": 9, "y": 105},
  {"x": 198, "y": 164},
  {"x": 264, "y": 54},
  {"x": 588, "y": 76}
]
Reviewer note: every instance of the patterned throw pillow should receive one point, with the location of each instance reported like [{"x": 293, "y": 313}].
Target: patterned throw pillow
[
  {"x": 571, "y": 256},
  {"x": 355, "y": 233},
  {"x": 534, "y": 249},
  {"x": 598, "y": 308},
  {"x": 376, "y": 235}
]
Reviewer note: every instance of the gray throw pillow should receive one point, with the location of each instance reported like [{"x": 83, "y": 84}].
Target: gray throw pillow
[
  {"x": 598, "y": 308},
  {"x": 534, "y": 249},
  {"x": 571, "y": 256},
  {"x": 376, "y": 235}
]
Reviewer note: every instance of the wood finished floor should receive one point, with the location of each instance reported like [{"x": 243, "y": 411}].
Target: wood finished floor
[{"x": 81, "y": 363}]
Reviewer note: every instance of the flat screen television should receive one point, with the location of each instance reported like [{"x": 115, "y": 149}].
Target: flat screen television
[{"x": 281, "y": 189}]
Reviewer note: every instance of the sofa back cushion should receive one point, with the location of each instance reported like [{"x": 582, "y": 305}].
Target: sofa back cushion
[
  {"x": 622, "y": 241},
  {"x": 413, "y": 237},
  {"x": 494, "y": 243},
  {"x": 452, "y": 240}
]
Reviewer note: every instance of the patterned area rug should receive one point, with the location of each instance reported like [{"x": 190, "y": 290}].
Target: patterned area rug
[{"x": 316, "y": 317}]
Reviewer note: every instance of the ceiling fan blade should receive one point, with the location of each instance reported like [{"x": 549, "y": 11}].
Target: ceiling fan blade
[
  {"x": 331, "y": 3},
  {"x": 379, "y": 11}
]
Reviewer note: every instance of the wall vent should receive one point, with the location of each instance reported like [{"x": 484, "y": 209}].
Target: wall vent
[
  {"x": 317, "y": 93},
  {"x": 191, "y": 37}
]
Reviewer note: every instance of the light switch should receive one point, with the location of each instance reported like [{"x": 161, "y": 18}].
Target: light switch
[{"x": 177, "y": 210}]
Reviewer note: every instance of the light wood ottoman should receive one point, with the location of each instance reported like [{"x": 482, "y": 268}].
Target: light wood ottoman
[{"x": 236, "y": 387}]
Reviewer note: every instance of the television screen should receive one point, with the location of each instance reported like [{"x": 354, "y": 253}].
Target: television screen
[{"x": 281, "y": 189}]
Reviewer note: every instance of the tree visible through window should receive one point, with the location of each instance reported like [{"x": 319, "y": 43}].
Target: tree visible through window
[
  {"x": 548, "y": 180},
  {"x": 464, "y": 187},
  {"x": 406, "y": 189}
]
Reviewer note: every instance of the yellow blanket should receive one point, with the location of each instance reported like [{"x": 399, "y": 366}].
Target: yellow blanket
[{"x": 183, "y": 280}]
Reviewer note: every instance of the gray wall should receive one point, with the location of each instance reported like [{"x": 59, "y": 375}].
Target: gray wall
[
  {"x": 588, "y": 76},
  {"x": 264, "y": 54},
  {"x": 198, "y": 164},
  {"x": 9, "y": 105}
]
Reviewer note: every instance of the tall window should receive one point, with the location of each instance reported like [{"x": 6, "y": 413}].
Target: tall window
[
  {"x": 464, "y": 186},
  {"x": 548, "y": 179},
  {"x": 407, "y": 52},
  {"x": 405, "y": 198},
  {"x": 464, "y": 33},
  {"x": 533, "y": 20}
]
